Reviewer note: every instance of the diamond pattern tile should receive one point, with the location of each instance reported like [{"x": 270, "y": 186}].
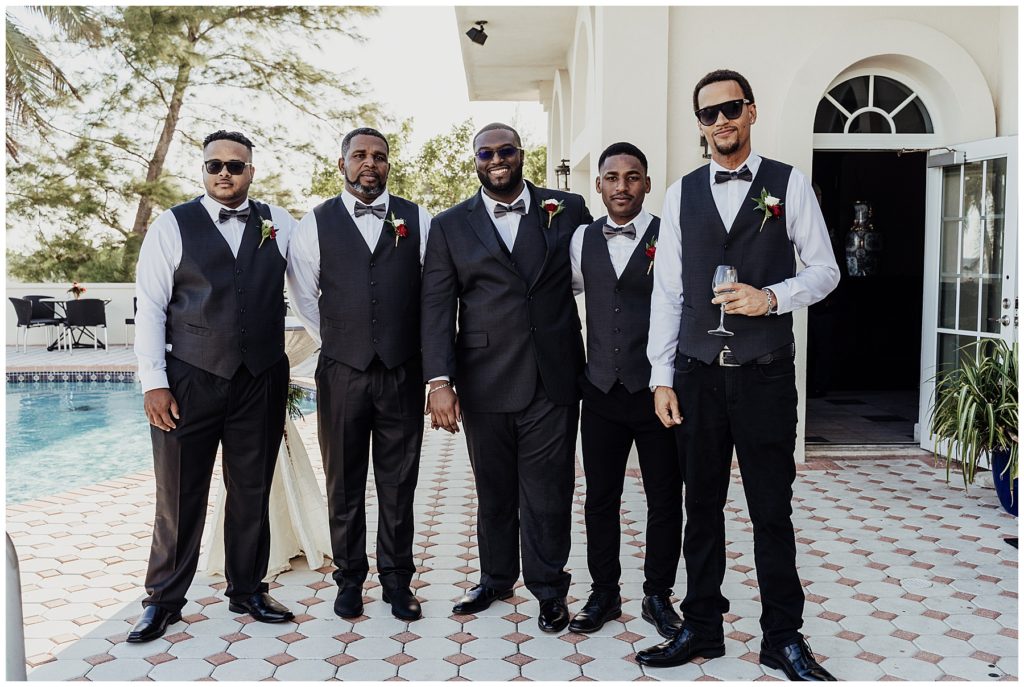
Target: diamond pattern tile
[{"x": 907, "y": 578}]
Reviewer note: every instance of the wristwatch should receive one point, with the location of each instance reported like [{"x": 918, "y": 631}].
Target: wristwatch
[{"x": 773, "y": 305}]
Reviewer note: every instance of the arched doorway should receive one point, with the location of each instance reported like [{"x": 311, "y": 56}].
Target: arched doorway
[{"x": 864, "y": 344}]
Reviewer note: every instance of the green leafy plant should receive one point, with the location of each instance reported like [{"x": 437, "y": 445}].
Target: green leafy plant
[
  {"x": 975, "y": 411},
  {"x": 296, "y": 394}
]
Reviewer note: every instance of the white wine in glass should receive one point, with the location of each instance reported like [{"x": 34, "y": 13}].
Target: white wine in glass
[{"x": 724, "y": 274}]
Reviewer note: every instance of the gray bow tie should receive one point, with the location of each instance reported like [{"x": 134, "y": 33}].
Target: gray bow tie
[
  {"x": 518, "y": 207},
  {"x": 610, "y": 231},
  {"x": 378, "y": 210},
  {"x": 225, "y": 215}
]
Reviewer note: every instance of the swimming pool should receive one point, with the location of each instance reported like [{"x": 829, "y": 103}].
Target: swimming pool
[{"x": 66, "y": 435}]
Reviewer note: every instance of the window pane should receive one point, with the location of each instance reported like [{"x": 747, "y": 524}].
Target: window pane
[
  {"x": 950, "y": 192},
  {"x": 913, "y": 119},
  {"x": 852, "y": 94},
  {"x": 968, "y": 318},
  {"x": 828, "y": 119},
  {"x": 947, "y": 304},
  {"x": 870, "y": 123},
  {"x": 991, "y": 304},
  {"x": 971, "y": 242},
  {"x": 889, "y": 93},
  {"x": 947, "y": 357},
  {"x": 995, "y": 185},
  {"x": 948, "y": 252}
]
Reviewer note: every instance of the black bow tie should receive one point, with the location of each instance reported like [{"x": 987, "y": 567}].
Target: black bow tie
[
  {"x": 610, "y": 231},
  {"x": 744, "y": 174},
  {"x": 518, "y": 207},
  {"x": 378, "y": 211},
  {"x": 226, "y": 214}
]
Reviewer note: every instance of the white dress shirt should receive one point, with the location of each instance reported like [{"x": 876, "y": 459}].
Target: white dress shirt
[
  {"x": 508, "y": 226},
  {"x": 304, "y": 258},
  {"x": 620, "y": 248},
  {"x": 804, "y": 225},
  {"x": 159, "y": 257}
]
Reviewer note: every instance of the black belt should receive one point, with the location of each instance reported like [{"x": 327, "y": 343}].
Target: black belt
[{"x": 726, "y": 358}]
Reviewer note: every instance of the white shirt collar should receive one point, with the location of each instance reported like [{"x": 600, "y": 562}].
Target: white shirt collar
[
  {"x": 752, "y": 162},
  {"x": 350, "y": 201},
  {"x": 640, "y": 222},
  {"x": 213, "y": 207},
  {"x": 490, "y": 203}
]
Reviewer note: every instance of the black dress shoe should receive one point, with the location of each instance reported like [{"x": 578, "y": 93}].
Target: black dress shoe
[
  {"x": 657, "y": 610},
  {"x": 554, "y": 615},
  {"x": 599, "y": 609},
  {"x": 349, "y": 603},
  {"x": 796, "y": 660},
  {"x": 262, "y": 607},
  {"x": 152, "y": 624},
  {"x": 404, "y": 605},
  {"x": 479, "y": 598},
  {"x": 682, "y": 648}
]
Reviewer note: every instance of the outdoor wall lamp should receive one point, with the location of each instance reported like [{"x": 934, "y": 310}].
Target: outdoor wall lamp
[
  {"x": 562, "y": 175},
  {"x": 704, "y": 148},
  {"x": 477, "y": 33}
]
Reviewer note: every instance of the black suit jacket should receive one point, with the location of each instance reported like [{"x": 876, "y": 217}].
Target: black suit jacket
[{"x": 508, "y": 329}]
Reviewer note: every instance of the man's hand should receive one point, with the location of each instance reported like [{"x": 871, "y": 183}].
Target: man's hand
[
  {"x": 666, "y": 406},
  {"x": 160, "y": 408},
  {"x": 443, "y": 408},
  {"x": 744, "y": 300}
]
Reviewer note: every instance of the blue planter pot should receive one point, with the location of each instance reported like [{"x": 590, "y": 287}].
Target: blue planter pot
[{"x": 1002, "y": 482}]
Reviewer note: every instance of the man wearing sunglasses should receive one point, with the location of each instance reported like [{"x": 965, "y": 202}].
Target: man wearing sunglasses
[
  {"x": 210, "y": 344},
  {"x": 355, "y": 283},
  {"x": 737, "y": 391},
  {"x": 498, "y": 263}
]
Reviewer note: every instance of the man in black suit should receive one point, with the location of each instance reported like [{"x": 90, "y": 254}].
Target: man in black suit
[
  {"x": 356, "y": 284},
  {"x": 499, "y": 262},
  {"x": 612, "y": 263}
]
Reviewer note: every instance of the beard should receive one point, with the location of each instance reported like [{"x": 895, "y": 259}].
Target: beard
[
  {"x": 727, "y": 148},
  {"x": 515, "y": 177},
  {"x": 371, "y": 191}
]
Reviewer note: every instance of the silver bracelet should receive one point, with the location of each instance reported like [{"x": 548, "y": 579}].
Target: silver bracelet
[{"x": 439, "y": 387}]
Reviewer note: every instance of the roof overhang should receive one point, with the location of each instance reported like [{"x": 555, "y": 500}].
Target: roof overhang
[{"x": 525, "y": 47}]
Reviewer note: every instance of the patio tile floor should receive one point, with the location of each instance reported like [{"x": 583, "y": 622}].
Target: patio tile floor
[{"x": 906, "y": 578}]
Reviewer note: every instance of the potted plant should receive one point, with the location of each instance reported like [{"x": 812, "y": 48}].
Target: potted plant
[{"x": 975, "y": 415}]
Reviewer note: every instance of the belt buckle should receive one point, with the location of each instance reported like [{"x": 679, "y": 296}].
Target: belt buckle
[{"x": 721, "y": 358}]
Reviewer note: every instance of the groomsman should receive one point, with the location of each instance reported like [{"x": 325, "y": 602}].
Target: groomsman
[
  {"x": 739, "y": 391},
  {"x": 210, "y": 344},
  {"x": 613, "y": 262},
  {"x": 356, "y": 286},
  {"x": 498, "y": 263}
]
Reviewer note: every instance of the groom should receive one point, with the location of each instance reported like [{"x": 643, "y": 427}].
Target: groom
[
  {"x": 499, "y": 264},
  {"x": 210, "y": 344}
]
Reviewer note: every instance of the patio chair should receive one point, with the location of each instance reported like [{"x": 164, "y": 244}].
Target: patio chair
[
  {"x": 23, "y": 309},
  {"x": 82, "y": 314},
  {"x": 130, "y": 320}
]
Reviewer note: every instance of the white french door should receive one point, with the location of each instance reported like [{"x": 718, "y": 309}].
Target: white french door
[{"x": 970, "y": 274}]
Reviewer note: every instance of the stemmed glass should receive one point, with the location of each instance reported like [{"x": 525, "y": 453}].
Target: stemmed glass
[{"x": 724, "y": 274}]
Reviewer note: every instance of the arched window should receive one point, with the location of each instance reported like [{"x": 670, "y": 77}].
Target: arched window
[{"x": 872, "y": 104}]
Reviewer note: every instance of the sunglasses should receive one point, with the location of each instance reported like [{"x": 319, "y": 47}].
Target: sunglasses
[
  {"x": 235, "y": 167},
  {"x": 486, "y": 154},
  {"x": 731, "y": 109}
]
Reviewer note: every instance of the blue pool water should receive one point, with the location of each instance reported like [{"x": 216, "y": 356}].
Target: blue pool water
[{"x": 66, "y": 435}]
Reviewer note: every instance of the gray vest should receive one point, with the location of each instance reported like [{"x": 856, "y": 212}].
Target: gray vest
[
  {"x": 762, "y": 257},
  {"x": 369, "y": 302},
  {"x": 618, "y": 311},
  {"x": 226, "y": 311}
]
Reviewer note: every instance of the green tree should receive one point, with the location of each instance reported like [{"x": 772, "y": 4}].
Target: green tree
[
  {"x": 445, "y": 172},
  {"x": 535, "y": 167},
  {"x": 169, "y": 75}
]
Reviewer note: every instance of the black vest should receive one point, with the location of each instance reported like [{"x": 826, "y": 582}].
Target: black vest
[
  {"x": 369, "y": 302},
  {"x": 226, "y": 311},
  {"x": 618, "y": 310},
  {"x": 762, "y": 257}
]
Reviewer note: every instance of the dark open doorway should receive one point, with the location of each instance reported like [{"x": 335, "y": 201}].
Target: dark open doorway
[{"x": 864, "y": 340}]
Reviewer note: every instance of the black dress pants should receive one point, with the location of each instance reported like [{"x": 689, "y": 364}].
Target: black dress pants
[
  {"x": 354, "y": 407},
  {"x": 609, "y": 425},
  {"x": 751, "y": 408},
  {"x": 245, "y": 415},
  {"x": 524, "y": 469}
]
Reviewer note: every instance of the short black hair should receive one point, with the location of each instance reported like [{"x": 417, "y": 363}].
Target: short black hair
[
  {"x": 622, "y": 148},
  {"x": 222, "y": 135},
  {"x": 362, "y": 131},
  {"x": 723, "y": 75},
  {"x": 498, "y": 125}
]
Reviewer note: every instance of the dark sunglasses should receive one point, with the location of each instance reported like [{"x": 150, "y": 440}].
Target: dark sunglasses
[
  {"x": 731, "y": 109},
  {"x": 485, "y": 154},
  {"x": 235, "y": 167}
]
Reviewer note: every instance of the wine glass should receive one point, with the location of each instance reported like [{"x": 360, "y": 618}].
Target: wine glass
[{"x": 724, "y": 274}]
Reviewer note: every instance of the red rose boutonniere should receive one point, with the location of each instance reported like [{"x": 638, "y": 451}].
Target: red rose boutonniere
[
  {"x": 552, "y": 207},
  {"x": 649, "y": 250},
  {"x": 267, "y": 231},
  {"x": 769, "y": 205},
  {"x": 76, "y": 289},
  {"x": 398, "y": 228}
]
